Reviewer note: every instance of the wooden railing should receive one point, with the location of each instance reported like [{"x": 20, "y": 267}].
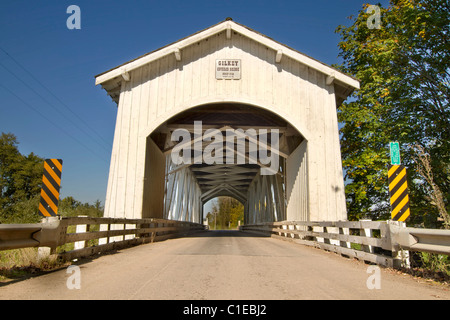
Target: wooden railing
[
  {"x": 75, "y": 237},
  {"x": 95, "y": 235},
  {"x": 382, "y": 242}
]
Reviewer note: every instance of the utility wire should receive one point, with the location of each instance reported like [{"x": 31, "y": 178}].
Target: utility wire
[
  {"x": 49, "y": 120},
  {"x": 51, "y": 93},
  {"x": 50, "y": 104}
]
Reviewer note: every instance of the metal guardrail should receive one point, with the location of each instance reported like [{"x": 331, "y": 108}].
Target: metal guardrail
[
  {"x": 427, "y": 240},
  {"x": 15, "y": 236},
  {"x": 380, "y": 242},
  {"x": 95, "y": 235}
]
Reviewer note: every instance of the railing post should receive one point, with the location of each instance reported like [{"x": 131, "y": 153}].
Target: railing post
[
  {"x": 104, "y": 227},
  {"x": 129, "y": 236},
  {"x": 145, "y": 234},
  {"x": 332, "y": 231},
  {"x": 283, "y": 234},
  {"x": 153, "y": 234},
  {"x": 79, "y": 229},
  {"x": 344, "y": 231},
  {"x": 47, "y": 252},
  {"x": 325, "y": 230},
  {"x": 310, "y": 229},
  {"x": 292, "y": 227},
  {"x": 400, "y": 256},
  {"x": 366, "y": 232}
]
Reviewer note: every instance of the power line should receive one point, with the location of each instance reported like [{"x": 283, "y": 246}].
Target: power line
[
  {"x": 49, "y": 103},
  {"x": 49, "y": 120},
  {"x": 51, "y": 93}
]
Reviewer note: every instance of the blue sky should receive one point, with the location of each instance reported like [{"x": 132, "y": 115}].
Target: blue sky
[{"x": 48, "y": 97}]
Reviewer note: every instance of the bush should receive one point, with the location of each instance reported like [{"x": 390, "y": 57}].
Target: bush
[{"x": 435, "y": 262}]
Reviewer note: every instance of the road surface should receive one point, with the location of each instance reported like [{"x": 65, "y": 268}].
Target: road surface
[{"x": 222, "y": 265}]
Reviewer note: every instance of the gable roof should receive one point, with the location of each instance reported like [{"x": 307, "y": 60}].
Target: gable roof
[{"x": 344, "y": 83}]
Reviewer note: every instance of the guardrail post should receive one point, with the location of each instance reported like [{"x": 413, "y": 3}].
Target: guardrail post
[
  {"x": 47, "y": 252},
  {"x": 44, "y": 253},
  {"x": 400, "y": 256}
]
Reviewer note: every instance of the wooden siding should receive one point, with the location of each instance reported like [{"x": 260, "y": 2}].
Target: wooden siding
[{"x": 165, "y": 87}]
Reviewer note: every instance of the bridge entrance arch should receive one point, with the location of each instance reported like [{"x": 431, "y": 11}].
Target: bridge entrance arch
[
  {"x": 226, "y": 149},
  {"x": 177, "y": 107}
]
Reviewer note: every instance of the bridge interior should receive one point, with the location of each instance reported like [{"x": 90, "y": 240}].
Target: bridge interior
[{"x": 225, "y": 166}]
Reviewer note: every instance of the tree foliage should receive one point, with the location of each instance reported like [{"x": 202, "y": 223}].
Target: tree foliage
[
  {"x": 404, "y": 72},
  {"x": 226, "y": 212},
  {"x": 20, "y": 179}
]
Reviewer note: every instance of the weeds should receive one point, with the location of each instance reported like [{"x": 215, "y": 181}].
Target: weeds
[{"x": 19, "y": 263}]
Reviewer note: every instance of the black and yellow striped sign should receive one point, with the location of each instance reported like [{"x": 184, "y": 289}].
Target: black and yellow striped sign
[
  {"x": 398, "y": 191},
  {"x": 51, "y": 181}
]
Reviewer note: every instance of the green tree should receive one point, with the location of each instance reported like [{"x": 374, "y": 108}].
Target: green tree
[
  {"x": 404, "y": 72},
  {"x": 226, "y": 212},
  {"x": 20, "y": 185},
  {"x": 20, "y": 179},
  {"x": 9, "y": 154},
  {"x": 70, "y": 207},
  {"x": 27, "y": 177}
]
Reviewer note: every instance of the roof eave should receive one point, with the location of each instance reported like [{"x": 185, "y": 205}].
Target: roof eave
[{"x": 236, "y": 27}]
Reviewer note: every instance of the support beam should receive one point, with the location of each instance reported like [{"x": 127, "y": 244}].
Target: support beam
[
  {"x": 177, "y": 54},
  {"x": 228, "y": 32},
  {"x": 330, "y": 78},
  {"x": 125, "y": 75},
  {"x": 279, "y": 56}
]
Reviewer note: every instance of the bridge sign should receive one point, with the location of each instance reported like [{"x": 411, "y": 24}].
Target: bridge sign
[
  {"x": 51, "y": 181},
  {"x": 395, "y": 153},
  {"x": 398, "y": 192},
  {"x": 228, "y": 69}
]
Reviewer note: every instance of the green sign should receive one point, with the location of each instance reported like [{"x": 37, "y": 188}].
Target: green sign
[{"x": 395, "y": 153}]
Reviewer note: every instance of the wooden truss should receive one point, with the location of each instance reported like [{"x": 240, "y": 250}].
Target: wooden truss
[{"x": 188, "y": 186}]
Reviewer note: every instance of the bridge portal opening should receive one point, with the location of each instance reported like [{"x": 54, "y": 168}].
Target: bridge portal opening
[
  {"x": 223, "y": 213},
  {"x": 224, "y": 149}
]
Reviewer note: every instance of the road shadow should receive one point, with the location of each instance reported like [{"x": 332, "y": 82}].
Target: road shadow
[
  {"x": 18, "y": 274},
  {"x": 227, "y": 233}
]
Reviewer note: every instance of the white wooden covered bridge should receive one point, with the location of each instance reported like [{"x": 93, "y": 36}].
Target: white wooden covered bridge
[{"x": 191, "y": 94}]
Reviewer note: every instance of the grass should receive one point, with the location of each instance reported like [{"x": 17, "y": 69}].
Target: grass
[
  {"x": 431, "y": 266},
  {"x": 21, "y": 263}
]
